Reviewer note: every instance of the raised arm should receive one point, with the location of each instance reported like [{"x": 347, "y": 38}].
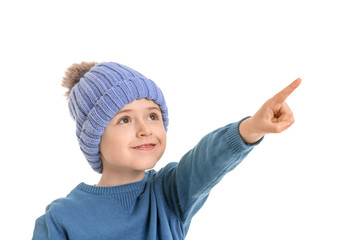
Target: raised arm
[{"x": 188, "y": 184}]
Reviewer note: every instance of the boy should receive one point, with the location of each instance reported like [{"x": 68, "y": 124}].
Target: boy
[{"x": 121, "y": 122}]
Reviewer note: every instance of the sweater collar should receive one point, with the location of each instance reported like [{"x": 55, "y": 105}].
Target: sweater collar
[{"x": 136, "y": 186}]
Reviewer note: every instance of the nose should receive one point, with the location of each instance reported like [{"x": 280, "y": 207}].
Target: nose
[{"x": 143, "y": 130}]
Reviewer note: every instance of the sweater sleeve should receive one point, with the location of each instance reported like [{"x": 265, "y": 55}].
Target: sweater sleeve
[
  {"x": 47, "y": 228},
  {"x": 188, "y": 184}
]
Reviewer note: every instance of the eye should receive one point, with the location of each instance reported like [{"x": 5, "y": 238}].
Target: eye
[
  {"x": 153, "y": 117},
  {"x": 124, "y": 120}
]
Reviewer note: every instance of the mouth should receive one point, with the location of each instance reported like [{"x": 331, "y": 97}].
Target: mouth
[{"x": 145, "y": 147}]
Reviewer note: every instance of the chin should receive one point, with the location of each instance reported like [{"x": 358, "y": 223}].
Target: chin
[{"x": 149, "y": 165}]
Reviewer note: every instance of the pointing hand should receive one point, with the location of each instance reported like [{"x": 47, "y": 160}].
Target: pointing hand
[{"x": 274, "y": 116}]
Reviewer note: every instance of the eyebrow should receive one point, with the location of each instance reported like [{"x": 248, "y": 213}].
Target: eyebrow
[{"x": 130, "y": 110}]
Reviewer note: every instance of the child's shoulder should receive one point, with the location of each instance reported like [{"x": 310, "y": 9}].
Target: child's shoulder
[
  {"x": 69, "y": 209},
  {"x": 70, "y": 202}
]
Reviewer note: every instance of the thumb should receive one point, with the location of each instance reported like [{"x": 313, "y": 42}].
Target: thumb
[{"x": 281, "y": 126}]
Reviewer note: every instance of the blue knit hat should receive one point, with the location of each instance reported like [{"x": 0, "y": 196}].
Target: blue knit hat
[{"x": 99, "y": 95}]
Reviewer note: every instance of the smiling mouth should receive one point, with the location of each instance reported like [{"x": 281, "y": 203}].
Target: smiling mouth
[{"x": 145, "y": 147}]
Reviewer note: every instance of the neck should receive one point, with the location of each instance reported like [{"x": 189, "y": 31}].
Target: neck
[{"x": 111, "y": 177}]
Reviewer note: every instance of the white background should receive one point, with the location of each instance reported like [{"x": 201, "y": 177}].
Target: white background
[{"x": 216, "y": 62}]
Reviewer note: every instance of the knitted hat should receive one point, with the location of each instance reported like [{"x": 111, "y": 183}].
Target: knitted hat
[{"x": 101, "y": 91}]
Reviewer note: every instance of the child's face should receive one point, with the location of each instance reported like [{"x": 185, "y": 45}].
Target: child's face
[{"x": 135, "y": 138}]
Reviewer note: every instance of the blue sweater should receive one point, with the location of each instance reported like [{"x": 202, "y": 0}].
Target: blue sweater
[{"x": 160, "y": 206}]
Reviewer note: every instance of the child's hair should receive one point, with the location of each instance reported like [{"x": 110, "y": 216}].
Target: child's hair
[{"x": 96, "y": 91}]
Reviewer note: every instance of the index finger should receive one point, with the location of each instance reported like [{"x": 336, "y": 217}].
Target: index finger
[{"x": 285, "y": 93}]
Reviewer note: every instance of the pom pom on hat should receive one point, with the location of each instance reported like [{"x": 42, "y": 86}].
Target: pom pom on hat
[
  {"x": 96, "y": 92},
  {"x": 74, "y": 73}
]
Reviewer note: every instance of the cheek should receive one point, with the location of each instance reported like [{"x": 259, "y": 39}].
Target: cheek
[
  {"x": 162, "y": 138},
  {"x": 112, "y": 143}
]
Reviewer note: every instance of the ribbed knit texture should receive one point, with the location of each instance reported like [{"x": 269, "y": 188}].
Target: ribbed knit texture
[
  {"x": 101, "y": 92},
  {"x": 125, "y": 195},
  {"x": 161, "y": 206}
]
